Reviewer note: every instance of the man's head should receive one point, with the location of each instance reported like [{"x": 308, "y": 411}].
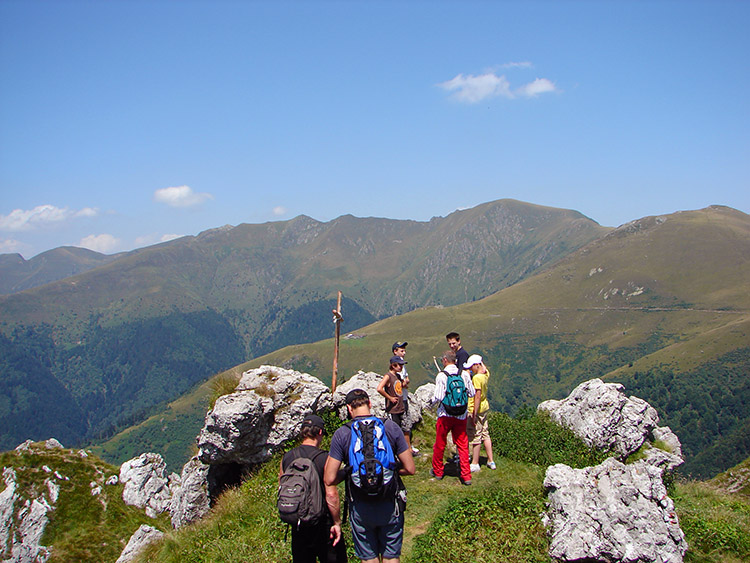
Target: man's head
[
  {"x": 357, "y": 402},
  {"x": 312, "y": 427},
  {"x": 448, "y": 357},
  {"x": 454, "y": 340},
  {"x": 396, "y": 363},
  {"x": 399, "y": 349},
  {"x": 474, "y": 363}
]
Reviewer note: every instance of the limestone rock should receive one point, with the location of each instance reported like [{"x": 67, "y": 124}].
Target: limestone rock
[
  {"x": 145, "y": 483},
  {"x": 140, "y": 539},
  {"x": 601, "y": 415},
  {"x": 369, "y": 382},
  {"x": 52, "y": 443},
  {"x": 23, "y": 446},
  {"x": 611, "y": 512},
  {"x": 263, "y": 414},
  {"x": 190, "y": 500}
]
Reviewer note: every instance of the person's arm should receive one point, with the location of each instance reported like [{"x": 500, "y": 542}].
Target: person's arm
[
  {"x": 331, "y": 475},
  {"x": 407, "y": 463},
  {"x": 477, "y": 400},
  {"x": 334, "y": 507},
  {"x": 439, "y": 388},
  {"x": 381, "y": 389}
]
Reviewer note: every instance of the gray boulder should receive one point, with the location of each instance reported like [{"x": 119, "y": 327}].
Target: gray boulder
[
  {"x": 263, "y": 414},
  {"x": 146, "y": 485},
  {"x": 142, "y": 537},
  {"x": 369, "y": 382},
  {"x": 190, "y": 500},
  {"x": 602, "y": 416},
  {"x": 611, "y": 512}
]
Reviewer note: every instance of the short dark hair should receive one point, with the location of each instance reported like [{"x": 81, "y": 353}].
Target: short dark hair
[
  {"x": 453, "y": 335},
  {"x": 310, "y": 432},
  {"x": 357, "y": 397},
  {"x": 449, "y": 356}
]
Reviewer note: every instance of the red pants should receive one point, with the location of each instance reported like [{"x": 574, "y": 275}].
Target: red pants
[{"x": 457, "y": 428}]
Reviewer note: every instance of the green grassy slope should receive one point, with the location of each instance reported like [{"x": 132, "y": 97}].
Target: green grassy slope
[{"x": 496, "y": 519}]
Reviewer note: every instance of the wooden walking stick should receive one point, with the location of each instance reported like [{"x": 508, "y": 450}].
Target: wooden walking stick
[{"x": 337, "y": 318}]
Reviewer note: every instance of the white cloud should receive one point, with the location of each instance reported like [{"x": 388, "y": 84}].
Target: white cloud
[
  {"x": 473, "y": 89},
  {"x": 279, "y": 210},
  {"x": 525, "y": 64},
  {"x": 167, "y": 238},
  {"x": 180, "y": 196},
  {"x": 41, "y": 215},
  {"x": 533, "y": 89},
  {"x": 100, "y": 243}
]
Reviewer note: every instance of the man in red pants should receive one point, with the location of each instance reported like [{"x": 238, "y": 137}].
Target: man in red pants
[{"x": 453, "y": 387}]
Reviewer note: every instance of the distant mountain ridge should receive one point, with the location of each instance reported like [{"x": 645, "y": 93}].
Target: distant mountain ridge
[
  {"x": 143, "y": 328},
  {"x": 660, "y": 304},
  {"x": 18, "y": 274}
]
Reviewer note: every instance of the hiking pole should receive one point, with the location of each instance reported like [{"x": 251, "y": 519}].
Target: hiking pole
[
  {"x": 337, "y": 318},
  {"x": 434, "y": 359}
]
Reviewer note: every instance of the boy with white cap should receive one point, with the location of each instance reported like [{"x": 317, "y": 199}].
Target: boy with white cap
[{"x": 479, "y": 406}]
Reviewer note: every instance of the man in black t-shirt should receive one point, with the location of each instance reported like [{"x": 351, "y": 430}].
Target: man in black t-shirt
[
  {"x": 323, "y": 541},
  {"x": 462, "y": 356}
]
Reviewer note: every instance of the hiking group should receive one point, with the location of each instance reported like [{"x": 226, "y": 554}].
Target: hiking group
[{"x": 371, "y": 454}]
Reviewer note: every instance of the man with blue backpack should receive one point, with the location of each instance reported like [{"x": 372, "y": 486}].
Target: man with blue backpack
[
  {"x": 453, "y": 387},
  {"x": 376, "y": 455}
]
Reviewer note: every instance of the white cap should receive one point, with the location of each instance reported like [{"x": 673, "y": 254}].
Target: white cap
[{"x": 473, "y": 359}]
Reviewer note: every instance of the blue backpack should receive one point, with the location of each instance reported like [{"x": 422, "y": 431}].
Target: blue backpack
[
  {"x": 374, "y": 470},
  {"x": 456, "y": 398}
]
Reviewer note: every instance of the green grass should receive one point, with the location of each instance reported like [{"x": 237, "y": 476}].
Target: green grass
[{"x": 716, "y": 524}]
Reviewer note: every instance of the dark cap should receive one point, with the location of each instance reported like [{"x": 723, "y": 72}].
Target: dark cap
[
  {"x": 355, "y": 394},
  {"x": 398, "y": 360},
  {"x": 314, "y": 420},
  {"x": 398, "y": 345}
]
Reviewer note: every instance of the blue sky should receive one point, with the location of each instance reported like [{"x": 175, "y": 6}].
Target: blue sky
[{"x": 126, "y": 123}]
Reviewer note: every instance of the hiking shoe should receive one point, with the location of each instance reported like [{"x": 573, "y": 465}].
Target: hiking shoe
[
  {"x": 414, "y": 450},
  {"x": 467, "y": 483},
  {"x": 491, "y": 465},
  {"x": 432, "y": 474},
  {"x": 475, "y": 467}
]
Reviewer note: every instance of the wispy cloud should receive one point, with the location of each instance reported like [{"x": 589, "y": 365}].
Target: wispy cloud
[
  {"x": 10, "y": 245},
  {"x": 279, "y": 210},
  {"x": 103, "y": 243},
  {"x": 40, "y": 216},
  {"x": 180, "y": 196},
  {"x": 472, "y": 89}
]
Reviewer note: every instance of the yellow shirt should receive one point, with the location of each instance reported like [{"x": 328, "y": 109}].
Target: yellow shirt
[{"x": 480, "y": 382}]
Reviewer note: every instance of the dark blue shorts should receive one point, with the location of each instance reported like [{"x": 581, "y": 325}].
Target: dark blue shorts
[{"x": 377, "y": 529}]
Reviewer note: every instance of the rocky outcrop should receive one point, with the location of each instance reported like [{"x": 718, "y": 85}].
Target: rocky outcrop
[
  {"x": 21, "y": 533},
  {"x": 263, "y": 414},
  {"x": 603, "y": 417},
  {"x": 140, "y": 539},
  {"x": 146, "y": 485},
  {"x": 190, "y": 499},
  {"x": 611, "y": 512}
]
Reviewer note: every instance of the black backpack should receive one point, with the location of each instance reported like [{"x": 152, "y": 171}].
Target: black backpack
[
  {"x": 456, "y": 398},
  {"x": 301, "y": 501}
]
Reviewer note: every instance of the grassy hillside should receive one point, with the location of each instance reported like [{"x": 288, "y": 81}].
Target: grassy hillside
[
  {"x": 83, "y": 527},
  {"x": 122, "y": 339},
  {"x": 497, "y": 519},
  {"x": 660, "y": 304}
]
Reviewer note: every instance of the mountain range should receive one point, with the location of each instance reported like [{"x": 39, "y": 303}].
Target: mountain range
[
  {"x": 86, "y": 355},
  {"x": 660, "y": 304}
]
